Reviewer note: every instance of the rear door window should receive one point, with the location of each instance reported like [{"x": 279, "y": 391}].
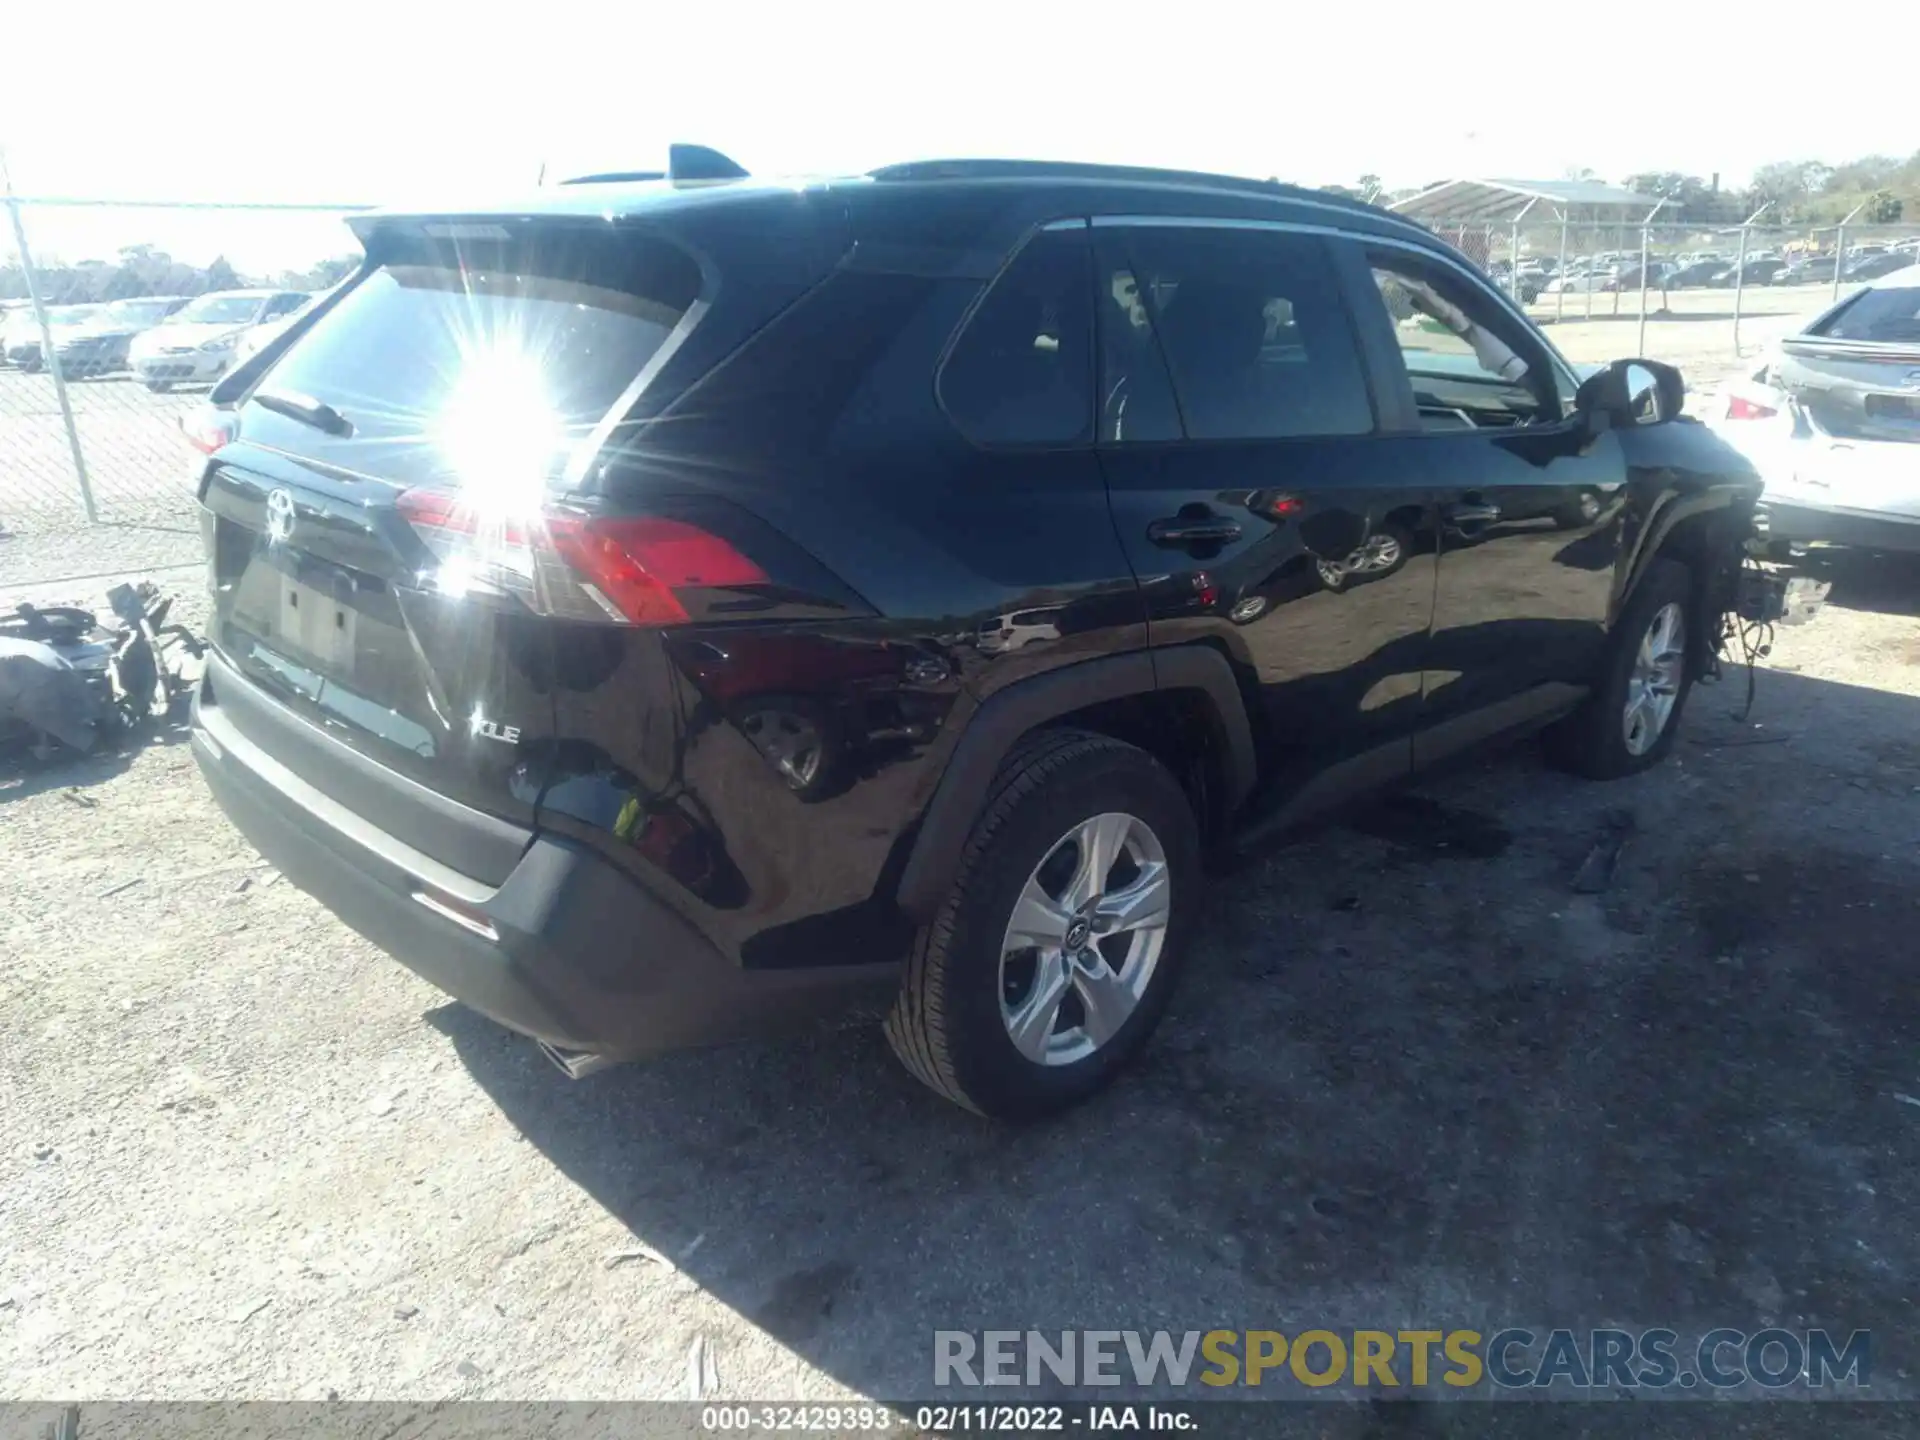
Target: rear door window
[
  {"x": 1020, "y": 371},
  {"x": 1252, "y": 329},
  {"x": 481, "y": 361}
]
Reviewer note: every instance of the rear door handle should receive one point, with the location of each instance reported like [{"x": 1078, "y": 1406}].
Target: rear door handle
[
  {"x": 1472, "y": 514},
  {"x": 1193, "y": 530}
]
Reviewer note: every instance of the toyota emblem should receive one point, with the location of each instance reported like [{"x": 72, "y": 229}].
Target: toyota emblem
[{"x": 279, "y": 517}]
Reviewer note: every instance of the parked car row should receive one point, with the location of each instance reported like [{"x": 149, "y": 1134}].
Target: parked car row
[
  {"x": 163, "y": 340},
  {"x": 1620, "y": 270}
]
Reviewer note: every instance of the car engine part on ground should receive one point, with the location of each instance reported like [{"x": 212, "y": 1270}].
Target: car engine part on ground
[{"x": 66, "y": 678}]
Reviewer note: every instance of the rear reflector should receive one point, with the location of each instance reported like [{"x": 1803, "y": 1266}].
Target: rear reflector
[
  {"x": 1739, "y": 408},
  {"x": 464, "y": 916},
  {"x": 623, "y": 568}
]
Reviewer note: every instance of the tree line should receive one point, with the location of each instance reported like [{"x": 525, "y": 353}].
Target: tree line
[
  {"x": 146, "y": 270},
  {"x": 1885, "y": 190}
]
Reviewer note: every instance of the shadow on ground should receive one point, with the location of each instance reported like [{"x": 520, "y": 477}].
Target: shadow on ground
[
  {"x": 1401, "y": 1084},
  {"x": 22, "y": 774},
  {"x": 1862, "y": 580}
]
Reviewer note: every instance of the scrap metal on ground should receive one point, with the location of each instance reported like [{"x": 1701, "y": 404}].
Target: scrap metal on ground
[{"x": 68, "y": 681}]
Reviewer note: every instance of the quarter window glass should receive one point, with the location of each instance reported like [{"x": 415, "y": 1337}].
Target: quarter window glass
[
  {"x": 1021, "y": 372},
  {"x": 1469, "y": 368},
  {"x": 1253, "y": 331}
]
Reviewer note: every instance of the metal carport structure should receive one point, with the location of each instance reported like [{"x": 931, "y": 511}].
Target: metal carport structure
[
  {"x": 1506, "y": 202},
  {"x": 1470, "y": 212}
]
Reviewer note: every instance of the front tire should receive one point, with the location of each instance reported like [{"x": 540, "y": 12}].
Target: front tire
[
  {"x": 1629, "y": 721},
  {"x": 1051, "y": 960}
]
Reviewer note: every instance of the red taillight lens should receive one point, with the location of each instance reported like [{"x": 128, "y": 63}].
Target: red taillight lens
[
  {"x": 638, "y": 562},
  {"x": 1739, "y": 408},
  {"x": 624, "y": 569},
  {"x": 207, "y": 428}
]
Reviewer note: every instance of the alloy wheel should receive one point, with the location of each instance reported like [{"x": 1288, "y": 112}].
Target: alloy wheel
[
  {"x": 1653, "y": 685},
  {"x": 790, "y": 741},
  {"x": 1380, "y": 552},
  {"x": 1084, "y": 939}
]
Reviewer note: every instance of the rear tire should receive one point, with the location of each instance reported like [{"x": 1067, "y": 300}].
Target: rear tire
[
  {"x": 969, "y": 985},
  {"x": 1604, "y": 739}
]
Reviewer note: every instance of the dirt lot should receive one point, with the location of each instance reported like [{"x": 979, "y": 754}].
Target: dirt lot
[
  {"x": 1410, "y": 1077},
  {"x": 1694, "y": 331},
  {"x": 136, "y": 458}
]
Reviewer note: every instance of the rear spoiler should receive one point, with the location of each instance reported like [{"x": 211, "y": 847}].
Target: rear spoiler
[
  {"x": 1820, "y": 347},
  {"x": 684, "y": 163}
]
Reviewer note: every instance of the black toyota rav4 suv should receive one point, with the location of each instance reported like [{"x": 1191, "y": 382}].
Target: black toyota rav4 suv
[{"x": 654, "y": 609}]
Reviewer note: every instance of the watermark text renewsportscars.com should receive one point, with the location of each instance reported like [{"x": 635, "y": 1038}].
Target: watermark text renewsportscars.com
[{"x": 1438, "y": 1360}]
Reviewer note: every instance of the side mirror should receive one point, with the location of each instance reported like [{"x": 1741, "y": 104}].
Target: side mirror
[{"x": 1632, "y": 392}]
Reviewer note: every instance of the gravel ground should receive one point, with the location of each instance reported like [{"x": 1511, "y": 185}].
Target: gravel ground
[{"x": 1409, "y": 1077}]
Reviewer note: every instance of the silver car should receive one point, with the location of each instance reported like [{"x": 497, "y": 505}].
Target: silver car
[
  {"x": 23, "y": 338},
  {"x": 1832, "y": 422},
  {"x": 197, "y": 346}
]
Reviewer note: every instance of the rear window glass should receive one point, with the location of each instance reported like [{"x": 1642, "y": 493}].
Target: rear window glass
[
  {"x": 1890, "y": 316},
  {"x": 458, "y": 360}
]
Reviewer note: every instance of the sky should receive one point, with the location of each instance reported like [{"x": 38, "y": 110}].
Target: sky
[{"x": 394, "y": 102}]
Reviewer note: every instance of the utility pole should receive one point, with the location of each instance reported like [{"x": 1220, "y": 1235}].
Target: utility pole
[{"x": 1740, "y": 271}]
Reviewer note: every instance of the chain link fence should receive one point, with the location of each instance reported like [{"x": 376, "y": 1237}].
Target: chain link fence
[
  {"x": 116, "y": 320},
  {"x": 1701, "y": 297}
]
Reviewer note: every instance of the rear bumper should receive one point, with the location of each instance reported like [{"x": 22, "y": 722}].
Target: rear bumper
[
  {"x": 566, "y": 949},
  {"x": 1861, "y": 529}
]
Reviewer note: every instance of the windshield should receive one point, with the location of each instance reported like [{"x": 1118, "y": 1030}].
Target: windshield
[
  {"x": 483, "y": 368},
  {"x": 1886, "y": 316},
  {"x": 136, "y": 312},
  {"x": 228, "y": 309}
]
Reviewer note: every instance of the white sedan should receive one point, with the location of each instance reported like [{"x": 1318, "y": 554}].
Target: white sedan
[
  {"x": 197, "y": 344},
  {"x": 1832, "y": 422}
]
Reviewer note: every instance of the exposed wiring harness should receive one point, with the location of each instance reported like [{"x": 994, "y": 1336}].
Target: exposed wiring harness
[{"x": 1753, "y": 633}]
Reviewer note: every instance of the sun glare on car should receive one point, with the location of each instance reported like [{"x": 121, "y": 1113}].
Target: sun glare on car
[{"x": 498, "y": 431}]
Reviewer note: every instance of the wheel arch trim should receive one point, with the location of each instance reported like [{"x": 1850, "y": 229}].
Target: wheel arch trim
[
  {"x": 1673, "y": 511},
  {"x": 1009, "y": 715}
]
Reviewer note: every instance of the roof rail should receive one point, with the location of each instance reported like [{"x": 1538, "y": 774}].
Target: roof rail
[
  {"x": 684, "y": 163},
  {"x": 615, "y": 177},
  {"x": 1067, "y": 170},
  {"x": 1141, "y": 174}
]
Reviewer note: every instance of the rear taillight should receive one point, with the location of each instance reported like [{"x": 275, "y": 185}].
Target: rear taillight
[
  {"x": 627, "y": 569},
  {"x": 1740, "y": 408},
  {"x": 207, "y": 428}
]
